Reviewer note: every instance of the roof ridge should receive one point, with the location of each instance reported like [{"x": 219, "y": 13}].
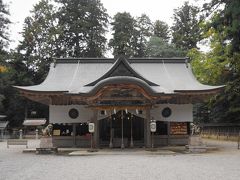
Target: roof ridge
[{"x": 130, "y": 60}]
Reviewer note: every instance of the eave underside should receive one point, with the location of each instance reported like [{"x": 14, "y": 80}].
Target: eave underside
[{"x": 61, "y": 98}]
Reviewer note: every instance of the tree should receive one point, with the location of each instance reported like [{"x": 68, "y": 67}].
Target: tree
[
  {"x": 130, "y": 35},
  {"x": 186, "y": 32},
  {"x": 83, "y": 24},
  {"x": 4, "y": 79},
  {"x": 44, "y": 39},
  {"x": 161, "y": 30},
  {"x": 142, "y": 32},
  {"x": 4, "y": 39},
  {"x": 158, "y": 47},
  {"x": 224, "y": 23},
  {"x": 4, "y": 23},
  {"x": 207, "y": 67},
  {"x": 40, "y": 39},
  {"x": 123, "y": 33},
  {"x": 75, "y": 28},
  {"x": 16, "y": 73},
  {"x": 30, "y": 63}
]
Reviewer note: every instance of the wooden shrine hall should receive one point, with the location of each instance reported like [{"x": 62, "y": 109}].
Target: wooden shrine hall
[{"x": 121, "y": 97}]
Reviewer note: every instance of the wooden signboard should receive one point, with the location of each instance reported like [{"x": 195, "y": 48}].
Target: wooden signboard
[
  {"x": 56, "y": 132},
  {"x": 178, "y": 128}
]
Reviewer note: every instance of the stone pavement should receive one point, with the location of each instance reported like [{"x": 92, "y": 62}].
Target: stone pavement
[{"x": 216, "y": 165}]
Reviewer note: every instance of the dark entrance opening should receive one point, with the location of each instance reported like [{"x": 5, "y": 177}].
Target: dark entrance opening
[{"x": 124, "y": 128}]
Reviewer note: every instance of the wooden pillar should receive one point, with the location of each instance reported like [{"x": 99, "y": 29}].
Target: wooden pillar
[
  {"x": 96, "y": 129},
  {"x": 168, "y": 133},
  {"x": 131, "y": 142},
  {"x": 147, "y": 133},
  {"x": 74, "y": 135},
  {"x": 122, "y": 141},
  {"x": 111, "y": 133},
  {"x": 26, "y": 110}
]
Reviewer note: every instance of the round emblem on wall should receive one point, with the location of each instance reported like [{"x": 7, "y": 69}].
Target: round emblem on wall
[
  {"x": 166, "y": 112},
  {"x": 73, "y": 113}
]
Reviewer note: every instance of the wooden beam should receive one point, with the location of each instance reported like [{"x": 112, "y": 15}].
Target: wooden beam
[
  {"x": 120, "y": 107},
  {"x": 110, "y": 88}
]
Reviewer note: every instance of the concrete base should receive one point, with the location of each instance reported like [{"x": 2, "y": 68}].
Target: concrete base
[
  {"x": 195, "y": 140},
  {"x": 46, "y": 150},
  {"x": 196, "y": 149},
  {"x": 195, "y": 145},
  {"x": 29, "y": 150},
  {"x": 46, "y": 142}
]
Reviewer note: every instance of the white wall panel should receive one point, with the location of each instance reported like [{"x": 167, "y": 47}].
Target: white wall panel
[
  {"x": 59, "y": 114},
  {"x": 180, "y": 112}
]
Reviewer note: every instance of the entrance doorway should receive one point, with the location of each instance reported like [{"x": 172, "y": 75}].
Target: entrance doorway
[{"x": 122, "y": 129}]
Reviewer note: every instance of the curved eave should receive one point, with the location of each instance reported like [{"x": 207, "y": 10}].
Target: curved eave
[
  {"x": 28, "y": 90},
  {"x": 212, "y": 90},
  {"x": 120, "y": 80}
]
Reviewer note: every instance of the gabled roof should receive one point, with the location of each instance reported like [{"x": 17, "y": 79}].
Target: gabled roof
[
  {"x": 121, "y": 68},
  {"x": 84, "y": 76}
]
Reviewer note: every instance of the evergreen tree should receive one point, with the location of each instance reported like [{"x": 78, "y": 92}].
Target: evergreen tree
[
  {"x": 16, "y": 73},
  {"x": 161, "y": 30},
  {"x": 142, "y": 32},
  {"x": 83, "y": 24},
  {"x": 158, "y": 47},
  {"x": 186, "y": 32},
  {"x": 4, "y": 39},
  {"x": 4, "y": 23},
  {"x": 224, "y": 23},
  {"x": 123, "y": 34},
  {"x": 40, "y": 39},
  {"x": 130, "y": 35}
]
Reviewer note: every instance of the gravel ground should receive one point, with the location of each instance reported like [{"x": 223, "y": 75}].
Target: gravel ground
[{"x": 218, "y": 165}]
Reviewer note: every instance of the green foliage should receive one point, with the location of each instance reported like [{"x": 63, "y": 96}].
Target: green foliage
[
  {"x": 123, "y": 33},
  {"x": 158, "y": 47},
  {"x": 3, "y": 81},
  {"x": 223, "y": 29},
  {"x": 130, "y": 35},
  {"x": 12, "y": 104},
  {"x": 226, "y": 22},
  {"x": 161, "y": 30},
  {"x": 83, "y": 25},
  {"x": 4, "y": 39},
  {"x": 207, "y": 67},
  {"x": 226, "y": 106},
  {"x": 76, "y": 28},
  {"x": 40, "y": 39},
  {"x": 186, "y": 32},
  {"x": 4, "y": 23},
  {"x": 49, "y": 32},
  {"x": 142, "y": 32}
]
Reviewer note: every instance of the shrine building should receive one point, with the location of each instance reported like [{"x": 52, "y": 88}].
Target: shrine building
[{"x": 121, "y": 97}]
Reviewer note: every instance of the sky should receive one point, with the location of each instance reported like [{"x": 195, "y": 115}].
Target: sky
[{"x": 155, "y": 9}]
